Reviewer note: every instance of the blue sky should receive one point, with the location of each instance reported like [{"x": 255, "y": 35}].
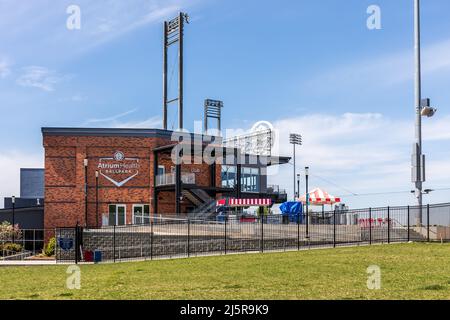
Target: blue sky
[{"x": 307, "y": 66}]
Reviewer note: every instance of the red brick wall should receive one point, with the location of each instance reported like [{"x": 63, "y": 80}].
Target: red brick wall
[{"x": 65, "y": 177}]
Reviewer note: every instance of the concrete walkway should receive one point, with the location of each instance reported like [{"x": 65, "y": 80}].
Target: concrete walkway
[{"x": 4, "y": 263}]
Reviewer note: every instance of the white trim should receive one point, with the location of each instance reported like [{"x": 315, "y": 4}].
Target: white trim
[
  {"x": 121, "y": 183},
  {"x": 143, "y": 213},
  {"x": 132, "y": 212}
]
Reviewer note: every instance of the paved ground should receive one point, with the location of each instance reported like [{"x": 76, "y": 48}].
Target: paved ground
[{"x": 27, "y": 263}]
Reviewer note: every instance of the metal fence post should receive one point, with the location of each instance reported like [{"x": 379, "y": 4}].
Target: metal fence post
[
  {"x": 370, "y": 225},
  {"x": 142, "y": 237},
  {"x": 428, "y": 222},
  {"x": 408, "y": 225},
  {"x": 188, "y": 236},
  {"x": 225, "y": 234},
  {"x": 389, "y": 224},
  {"x": 298, "y": 231},
  {"x": 262, "y": 232},
  {"x": 34, "y": 241},
  {"x": 151, "y": 239},
  {"x": 76, "y": 244},
  {"x": 114, "y": 243},
  {"x": 334, "y": 228}
]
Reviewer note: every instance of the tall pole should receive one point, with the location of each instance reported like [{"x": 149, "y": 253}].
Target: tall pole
[
  {"x": 295, "y": 193},
  {"x": 418, "y": 97},
  {"x": 96, "y": 198},
  {"x": 295, "y": 139},
  {"x": 13, "y": 199},
  {"x": 165, "y": 78},
  {"x": 173, "y": 32},
  {"x": 85, "y": 193},
  {"x": 180, "y": 71},
  {"x": 307, "y": 201}
]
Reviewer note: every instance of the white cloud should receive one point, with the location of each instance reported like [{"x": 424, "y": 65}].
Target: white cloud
[
  {"x": 111, "y": 118},
  {"x": 116, "y": 121},
  {"x": 385, "y": 71},
  {"x": 150, "y": 123},
  {"x": 101, "y": 22},
  {"x": 5, "y": 68},
  {"x": 77, "y": 98},
  {"x": 11, "y": 162},
  {"x": 362, "y": 153},
  {"x": 39, "y": 77},
  {"x": 437, "y": 129}
]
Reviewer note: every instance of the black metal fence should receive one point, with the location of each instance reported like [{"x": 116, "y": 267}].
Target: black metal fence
[
  {"x": 174, "y": 237},
  {"x": 29, "y": 242}
]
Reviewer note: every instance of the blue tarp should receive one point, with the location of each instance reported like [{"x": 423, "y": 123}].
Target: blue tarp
[{"x": 293, "y": 210}]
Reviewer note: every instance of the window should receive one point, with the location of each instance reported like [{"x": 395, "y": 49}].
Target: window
[
  {"x": 117, "y": 215},
  {"x": 250, "y": 179},
  {"x": 141, "y": 214},
  {"x": 228, "y": 176},
  {"x": 161, "y": 177}
]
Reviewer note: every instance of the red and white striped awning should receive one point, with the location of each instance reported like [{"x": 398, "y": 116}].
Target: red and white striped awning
[
  {"x": 319, "y": 197},
  {"x": 245, "y": 202}
]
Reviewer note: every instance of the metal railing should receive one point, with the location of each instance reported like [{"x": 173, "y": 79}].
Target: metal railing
[
  {"x": 30, "y": 241},
  {"x": 169, "y": 179},
  {"x": 177, "y": 237},
  {"x": 276, "y": 189}
]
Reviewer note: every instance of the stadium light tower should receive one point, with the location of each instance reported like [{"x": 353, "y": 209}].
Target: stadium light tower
[
  {"x": 295, "y": 139},
  {"x": 307, "y": 201},
  {"x": 423, "y": 109}
]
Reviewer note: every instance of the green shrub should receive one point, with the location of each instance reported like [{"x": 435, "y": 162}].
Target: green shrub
[
  {"x": 14, "y": 247},
  {"x": 8, "y": 232},
  {"x": 49, "y": 249}
]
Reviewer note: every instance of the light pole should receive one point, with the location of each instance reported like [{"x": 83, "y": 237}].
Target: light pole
[
  {"x": 96, "y": 197},
  {"x": 307, "y": 201},
  {"x": 295, "y": 139},
  {"x": 422, "y": 108},
  {"x": 13, "y": 200},
  {"x": 298, "y": 185},
  {"x": 85, "y": 162}
]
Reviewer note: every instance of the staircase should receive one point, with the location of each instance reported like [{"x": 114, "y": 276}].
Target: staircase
[
  {"x": 403, "y": 234},
  {"x": 205, "y": 204},
  {"x": 396, "y": 234},
  {"x": 204, "y": 212},
  {"x": 192, "y": 198}
]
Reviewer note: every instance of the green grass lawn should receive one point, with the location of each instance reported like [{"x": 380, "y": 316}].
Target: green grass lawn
[{"x": 409, "y": 271}]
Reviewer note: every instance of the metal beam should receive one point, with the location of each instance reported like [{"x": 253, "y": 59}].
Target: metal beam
[
  {"x": 180, "y": 70},
  {"x": 165, "y": 77},
  {"x": 173, "y": 33}
]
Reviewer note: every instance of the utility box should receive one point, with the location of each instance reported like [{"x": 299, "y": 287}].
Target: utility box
[{"x": 97, "y": 256}]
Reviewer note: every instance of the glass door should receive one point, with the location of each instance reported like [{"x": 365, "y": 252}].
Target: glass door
[
  {"x": 141, "y": 214},
  {"x": 117, "y": 214},
  {"x": 121, "y": 219},
  {"x": 161, "y": 176}
]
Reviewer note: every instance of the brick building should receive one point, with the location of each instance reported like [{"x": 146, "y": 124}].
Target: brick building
[{"x": 122, "y": 176}]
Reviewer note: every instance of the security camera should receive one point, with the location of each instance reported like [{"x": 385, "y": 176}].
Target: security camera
[{"x": 427, "y": 110}]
